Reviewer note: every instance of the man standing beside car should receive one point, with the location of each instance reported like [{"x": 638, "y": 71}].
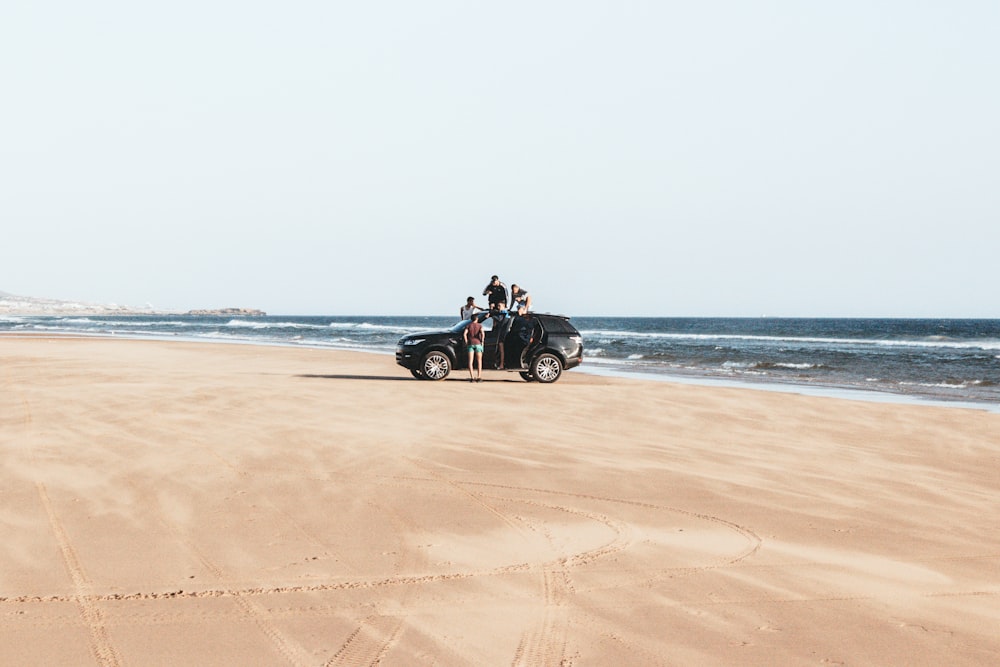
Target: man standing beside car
[{"x": 474, "y": 338}]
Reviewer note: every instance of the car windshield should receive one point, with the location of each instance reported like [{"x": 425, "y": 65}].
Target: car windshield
[{"x": 484, "y": 318}]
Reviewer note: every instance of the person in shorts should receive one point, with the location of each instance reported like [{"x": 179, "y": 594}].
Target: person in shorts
[{"x": 474, "y": 337}]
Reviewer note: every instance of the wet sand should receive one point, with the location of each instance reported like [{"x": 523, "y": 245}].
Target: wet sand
[{"x": 170, "y": 503}]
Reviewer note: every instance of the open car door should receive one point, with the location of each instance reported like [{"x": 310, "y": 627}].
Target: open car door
[{"x": 524, "y": 337}]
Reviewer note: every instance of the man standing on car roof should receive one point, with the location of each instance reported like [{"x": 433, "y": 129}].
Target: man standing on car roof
[
  {"x": 520, "y": 300},
  {"x": 497, "y": 292}
]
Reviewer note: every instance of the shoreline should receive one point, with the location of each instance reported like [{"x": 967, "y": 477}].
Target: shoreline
[
  {"x": 598, "y": 369},
  {"x": 781, "y": 387}
]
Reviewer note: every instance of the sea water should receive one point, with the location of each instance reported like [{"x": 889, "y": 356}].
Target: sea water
[{"x": 950, "y": 360}]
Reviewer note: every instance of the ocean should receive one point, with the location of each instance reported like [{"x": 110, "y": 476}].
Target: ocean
[{"x": 921, "y": 359}]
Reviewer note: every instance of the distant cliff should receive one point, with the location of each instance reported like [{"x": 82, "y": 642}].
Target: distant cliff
[
  {"x": 228, "y": 312},
  {"x": 12, "y": 304}
]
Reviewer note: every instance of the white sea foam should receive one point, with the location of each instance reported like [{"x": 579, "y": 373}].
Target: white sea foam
[
  {"x": 335, "y": 326},
  {"x": 49, "y": 327},
  {"x": 133, "y": 324},
  {"x": 933, "y": 342},
  {"x": 164, "y": 323},
  {"x": 261, "y": 325},
  {"x": 220, "y": 334},
  {"x": 587, "y": 359},
  {"x": 355, "y": 326},
  {"x": 244, "y": 324},
  {"x": 936, "y": 385},
  {"x": 124, "y": 323}
]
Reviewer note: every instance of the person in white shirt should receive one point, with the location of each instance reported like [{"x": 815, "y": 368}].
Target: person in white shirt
[{"x": 469, "y": 309}]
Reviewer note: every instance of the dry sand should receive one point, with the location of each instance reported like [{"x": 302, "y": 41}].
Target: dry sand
[{"x": 173, "y": 503}]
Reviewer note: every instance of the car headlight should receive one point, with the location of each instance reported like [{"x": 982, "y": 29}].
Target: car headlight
[{"x": 413, "y": 341}]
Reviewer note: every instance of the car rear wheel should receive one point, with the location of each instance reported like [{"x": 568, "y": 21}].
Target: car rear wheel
[
  {"x": 546, "y": 368},
  {"x": 435, "y": 366}
]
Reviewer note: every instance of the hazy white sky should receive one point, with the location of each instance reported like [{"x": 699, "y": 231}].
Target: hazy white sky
[{"x": 616, "y": 158}]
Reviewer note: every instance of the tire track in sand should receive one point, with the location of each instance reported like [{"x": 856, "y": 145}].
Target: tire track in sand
[
  {"x": 754, "y": 541},
  {"x": 375, "y": 635},
  {"x": 93, "y": 616},
  {"x": 547, "y": 642},
  {"x": 468, "y": 495},
  {"x": 286, "y": 647},
  {"x": 369, "y": 643}
]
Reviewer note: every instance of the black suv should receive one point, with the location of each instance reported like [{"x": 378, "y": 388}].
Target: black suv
[{"x": 537, "y": 345}]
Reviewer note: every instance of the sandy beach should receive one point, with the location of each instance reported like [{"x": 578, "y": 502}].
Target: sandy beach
[{"x": 174, "y": 503}]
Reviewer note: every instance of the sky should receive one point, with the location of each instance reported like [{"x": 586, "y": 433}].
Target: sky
[{"x": 722, "y": 158}]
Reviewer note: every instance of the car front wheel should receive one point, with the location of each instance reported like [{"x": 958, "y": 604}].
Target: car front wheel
[
  {"x": 546, "y": 368},
  {"x": 435, "y": 365},
  {"x": 528, "y": 377},
  {"x": 417, "y": 373}
]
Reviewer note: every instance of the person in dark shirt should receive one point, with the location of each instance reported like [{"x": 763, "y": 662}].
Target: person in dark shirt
[
  {"x": 497, "y": 294},
  {"x": 501, "y": 324},
  {"x": 528, "y": 333}
]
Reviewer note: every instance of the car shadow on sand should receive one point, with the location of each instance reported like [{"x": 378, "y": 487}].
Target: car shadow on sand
[
  {"x": 333, "y": 376},
  {"x": 403, "y": 378}
]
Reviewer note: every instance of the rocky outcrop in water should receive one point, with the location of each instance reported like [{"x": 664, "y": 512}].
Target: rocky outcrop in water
[{"x": 228, "y": 312}]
